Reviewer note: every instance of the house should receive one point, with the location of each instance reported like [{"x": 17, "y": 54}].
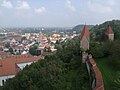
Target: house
[
  {"x": 56, "y": 35},
  {"x": 17, "y": 49},
  {"x": 85, "y": 38},
  {"x": 109, "y": 34},
  {"x": 11, "y": 65}
]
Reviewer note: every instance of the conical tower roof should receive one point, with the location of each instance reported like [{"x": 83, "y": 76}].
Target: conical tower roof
[
  {"x": 85, "y": 32},
  {"x": 109, "y": 31}
]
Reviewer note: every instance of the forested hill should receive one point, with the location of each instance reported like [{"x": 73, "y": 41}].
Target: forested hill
[
  {"x": 79, "y": 28},
  {"x": 99, "y": 30},
  {"x": 63, "y": 71}
]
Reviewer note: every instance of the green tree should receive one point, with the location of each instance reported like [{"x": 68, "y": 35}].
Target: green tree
[
  {"x": 33, "y": 50},
  {"x": 116, "y": 83},
  {"x": 11, "y": 50},
  {"x": 7, "y": 45},
  {"x": 23, "y": 38}
]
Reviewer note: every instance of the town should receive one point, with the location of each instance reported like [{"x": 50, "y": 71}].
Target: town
[
  {"x": 19, "y": 50},
  {"x": 59, "y": 45}
]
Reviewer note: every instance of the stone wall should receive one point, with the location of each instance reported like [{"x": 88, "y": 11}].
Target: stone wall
[{"x": 96, "y": 76}]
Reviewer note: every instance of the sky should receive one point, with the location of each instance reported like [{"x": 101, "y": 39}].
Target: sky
[{"x": 57, "y": 13}]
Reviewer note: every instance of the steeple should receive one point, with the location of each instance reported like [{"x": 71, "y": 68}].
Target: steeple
[
  {"x": 85, "y": 38},
  {"x": 109, "y": 31},
  {"x": 85, "y": 32}
]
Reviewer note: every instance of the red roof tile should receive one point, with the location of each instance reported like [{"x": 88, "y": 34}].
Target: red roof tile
[
  {"x": 109, "y": 31},
  {"x": 44, "y": 44},
  {"x": 43, "y": 37},
  {"x": 85, "y": 32},
  {"x": 98, "y": 75},
  {"x": 8, "y": 65}
]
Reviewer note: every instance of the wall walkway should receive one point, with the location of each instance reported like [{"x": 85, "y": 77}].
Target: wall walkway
[{"x": 95, "y": 75}]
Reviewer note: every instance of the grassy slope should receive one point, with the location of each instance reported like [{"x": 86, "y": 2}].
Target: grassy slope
[{"x": 108, "y": 71}]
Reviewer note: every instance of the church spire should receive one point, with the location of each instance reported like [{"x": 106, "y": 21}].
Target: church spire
[
  {"x": 85, "y": 38},
  {"x": 85, "y": 32}
]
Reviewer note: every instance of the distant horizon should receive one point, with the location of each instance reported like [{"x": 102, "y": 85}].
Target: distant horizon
[
  {"x": 42, "y": 26},
  {"x": 54, "y": 26},
  {"x": 57, "y": 13}
]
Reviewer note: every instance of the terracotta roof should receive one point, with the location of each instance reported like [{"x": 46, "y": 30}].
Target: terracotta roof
[
  {"x": 18, "y": 47},
  {"x": 85, "y": 32},
  {"x": 8, "y": 66},
  {"x": 4, "y": 54},
  {"x": 44, "y": 44},
  {"x": 16, "y": 37},
  {"x": 44, "y": 37},
  {"x": 98, "y": 75},
  {"x": 109, "y": 31}
]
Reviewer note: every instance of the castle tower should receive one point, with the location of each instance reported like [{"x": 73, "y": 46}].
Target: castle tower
[
  {"x": 109, "y": 34},
  {"x": 85, "y": 38}
]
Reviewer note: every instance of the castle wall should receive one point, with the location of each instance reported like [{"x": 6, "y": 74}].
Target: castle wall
[{"x": 95, "y": 75}]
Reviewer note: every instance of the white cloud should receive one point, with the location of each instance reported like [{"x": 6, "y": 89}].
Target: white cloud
[
  {"x": 103, "y": 6},
  {"x": 22, "y": 5},
  {"x": 40, "y": 10},
  {"x": 7, "y": 4},
  {"x": 70, "y": 6},
  {"x": 112, "y": 2},
  {"x": 23, "y": 14},
  {"x": 100, "y": 7}
]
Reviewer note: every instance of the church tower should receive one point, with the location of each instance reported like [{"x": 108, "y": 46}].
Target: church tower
[
  {"x": 85, "y": 38},
  {"x": 84, "y": 42},
  {"x": 109, "y": 34}
]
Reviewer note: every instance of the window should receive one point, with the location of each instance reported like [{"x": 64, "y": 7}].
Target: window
[{"x": 3, "y": 82}]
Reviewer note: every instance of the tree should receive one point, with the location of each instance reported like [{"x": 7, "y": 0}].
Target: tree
[
  {"x": 23, "y": 38},
  {"x": 33, "y": 50},
  {"x": 116, "y": 83},
  {"x": 11, "y": 50},
  {"x": 99, "y": 30},
  {"x": 96, "y": 50},
  {"x": 7, "y": 45}
]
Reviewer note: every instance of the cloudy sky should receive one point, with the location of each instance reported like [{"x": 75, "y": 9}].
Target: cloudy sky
[{"x": 58, "y": 13}]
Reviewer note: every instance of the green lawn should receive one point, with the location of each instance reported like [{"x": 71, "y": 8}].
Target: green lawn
[{"x": 109, "y": 72}]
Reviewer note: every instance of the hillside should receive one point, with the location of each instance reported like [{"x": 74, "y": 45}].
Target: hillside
[
  {"x": 99, "y": 30},
  {"x": 79, "y": 28}
]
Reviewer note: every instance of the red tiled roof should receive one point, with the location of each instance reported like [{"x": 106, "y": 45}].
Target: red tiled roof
[
  {"x": 98, "y": 75},
  {"x": 18, "y": 47},
  {"x": 43, "y": 37},
  {"x": 8, "y": 65},
  {"x": 16, "y": 37},
  {"x": 85, "y": 32},
  {"x": 44, "y": 44},
  {"x": 109, "y": 31},
  {"x": 4, "y": 54}
]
